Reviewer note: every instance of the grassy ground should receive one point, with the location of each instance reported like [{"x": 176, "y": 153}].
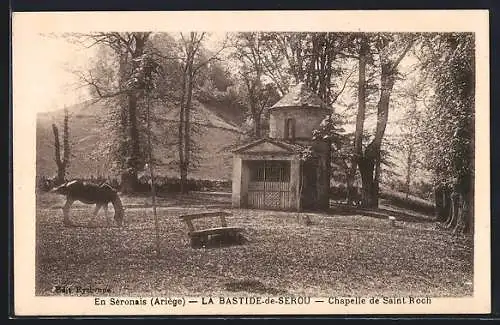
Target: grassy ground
[{"x": 344, "y": 252}]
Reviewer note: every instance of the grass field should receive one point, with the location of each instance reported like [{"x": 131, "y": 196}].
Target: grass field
[{"x": 340, "y": 253}]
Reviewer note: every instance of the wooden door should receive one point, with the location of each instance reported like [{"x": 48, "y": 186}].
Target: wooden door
[{"x": 269, "y": 186}]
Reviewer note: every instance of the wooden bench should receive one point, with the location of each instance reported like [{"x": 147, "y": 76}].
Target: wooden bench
[{"x": 200, "y": 237}]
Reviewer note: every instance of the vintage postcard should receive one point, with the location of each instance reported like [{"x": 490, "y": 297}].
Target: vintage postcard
[{"x": 251, "y": 163}]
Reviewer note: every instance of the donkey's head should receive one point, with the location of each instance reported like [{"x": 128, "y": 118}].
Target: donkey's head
[{"x": 64, "y": 188}]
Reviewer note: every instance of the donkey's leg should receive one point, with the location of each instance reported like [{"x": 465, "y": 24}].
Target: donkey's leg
[
  {"x": 66, "y": 209},
  {"x": 108, "y": 220},
  {"x": 96, "y": 212}
]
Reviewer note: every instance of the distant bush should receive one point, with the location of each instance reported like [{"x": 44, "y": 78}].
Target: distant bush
[
  {"x": 339, "y": 193},
  {"x": 412, "y": 203},
  {"x": 421, "y": 189},
  {"x": 173, "y": 185},
  {"x": 163, "y": 184},
  {"x": 44, "y": 183}
]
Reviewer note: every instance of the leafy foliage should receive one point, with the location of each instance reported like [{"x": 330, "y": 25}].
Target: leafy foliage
[
  {"x": 331, "y": 129},
  {"x": 449, "y": 127}
]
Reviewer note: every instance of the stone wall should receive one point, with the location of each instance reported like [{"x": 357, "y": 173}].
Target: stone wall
[{"x": 306, "y": 120}]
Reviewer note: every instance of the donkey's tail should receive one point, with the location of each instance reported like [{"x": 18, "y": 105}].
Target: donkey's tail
[{"x": 119, "y": 210}]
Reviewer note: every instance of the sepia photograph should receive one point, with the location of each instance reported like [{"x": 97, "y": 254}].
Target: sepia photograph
[{"x": 251, "y": 170}]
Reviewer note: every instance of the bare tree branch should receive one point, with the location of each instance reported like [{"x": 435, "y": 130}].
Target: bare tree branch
[
  {"x": 403, "y": 54},
  {"x": 344, "y": 85},
  {"x": 91, "y": 82},
  {"x": 212, "y": 58}
]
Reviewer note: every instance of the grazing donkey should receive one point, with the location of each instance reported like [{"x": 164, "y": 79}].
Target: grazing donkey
[{"x": 89, "y": 193}]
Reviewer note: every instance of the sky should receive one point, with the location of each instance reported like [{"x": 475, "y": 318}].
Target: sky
[
  {"x": 52, "y": 84},
  {"x": 50, "y": 81}
]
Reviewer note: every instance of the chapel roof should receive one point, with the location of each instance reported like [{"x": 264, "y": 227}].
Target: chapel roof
[
  {"x": 300, "y": 96},
  {"x": 291, "y": 147}
]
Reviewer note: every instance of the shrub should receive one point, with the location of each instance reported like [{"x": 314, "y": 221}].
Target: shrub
[
  {"x": 163, "y": 184},
  {"x": 412, "y": 203},
  {"x": 173, "y": 185},
  {"x": 394, "y": 197},
  {"x": 339, "y": 192}
]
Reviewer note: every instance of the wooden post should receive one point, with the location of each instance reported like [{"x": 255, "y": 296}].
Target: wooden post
[{"x": 223, "y": 220}]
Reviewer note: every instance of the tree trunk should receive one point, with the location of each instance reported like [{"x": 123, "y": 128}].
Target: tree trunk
[
  {"x": 256, "y": 91},
  {"x": 301, "y": 187},
  {"x": 66, "y": 146},
  {"x": 469, "y": 207},
  {"x": 465, "y": 215},
  {"x": 180, "y": 141},
  {"x": 184, "y": 124},
  {"x": 372, "y": 152},
  {"x": 376, "y": 182},
  {"x": 132, "y": 164},
  {"x": 187, "y": 133},
  {"x": 61, "y": 175},
  {"x": 128, "y": 181},
  {"x": 469, "y": 216},
  {"x": 454, "y": 204},
  {"x": 461, "y": 215},
  {"x": 327, "y": 175},
  {"x": 350, "y": 183},
  {"x": 123, "y": 144},
  {"x": 441, "y": 203},
  {"x": 366, "y": 169},
  {"x": 61, "y": 166},
  {"x": 447, "y": 213},
  {"x": 257, "y": 125},
  {"x": 134, "y": 132},
  {"x": 360, "y": 118},
  {"x": 408, "y": 171},
  {"x": 152, "y": 175},
  {"x": 371, "y": 155},
  {"x": 454, "y": 207},
  {"x": 438, "y": 202},
  {"x": 129, "y": 175}
]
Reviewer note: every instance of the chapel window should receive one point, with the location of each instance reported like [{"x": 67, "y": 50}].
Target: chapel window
[{"x": 290, "y": 129}]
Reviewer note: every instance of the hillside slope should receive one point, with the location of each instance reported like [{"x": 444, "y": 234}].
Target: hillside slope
[{"x": 88, "y": 132}]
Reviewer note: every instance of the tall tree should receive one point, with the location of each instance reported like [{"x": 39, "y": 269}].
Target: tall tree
[
  {"x": 408, "y": 143},
  {"x": 312, "y": 58},
  {"x": 390, "y": 49},
  {"x": 320, "y": 70},
  {"x": 62, "y": 160},
  {"x": 283, "y": 59},
  {"x": 127, "y": 48},
  {"x": 193, "y": 59},
  {"x": 409, "y": 146},
  {"x": 144, "y": 80},
  {"x": 363, "y": 57},
  {"x": 248, "y": 53},
  {"x": 449, "y": 129}
]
